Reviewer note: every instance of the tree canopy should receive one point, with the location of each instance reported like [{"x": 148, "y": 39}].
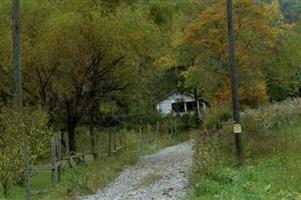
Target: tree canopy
[{"x": 82, "y": 56}]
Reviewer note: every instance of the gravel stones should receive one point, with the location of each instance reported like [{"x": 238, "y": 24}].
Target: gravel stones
[{"x": 160, "y": 176}]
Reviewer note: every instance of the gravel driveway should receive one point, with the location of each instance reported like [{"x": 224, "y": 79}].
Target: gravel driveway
[{"x": 160, "y": 176}]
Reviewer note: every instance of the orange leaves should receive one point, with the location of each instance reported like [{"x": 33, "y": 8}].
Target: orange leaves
[
  {"x": 248, "y": 95},
  {"x": 253, "y": 24},
  {"x": 257, "y": 31}
]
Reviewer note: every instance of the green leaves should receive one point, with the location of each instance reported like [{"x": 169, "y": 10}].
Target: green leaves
[{"x": 284, "y": 72}]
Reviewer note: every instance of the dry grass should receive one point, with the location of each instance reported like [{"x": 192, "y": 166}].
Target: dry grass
[
  {"x": 149, "y": 180},
  {"x": 272, "y": 169}
]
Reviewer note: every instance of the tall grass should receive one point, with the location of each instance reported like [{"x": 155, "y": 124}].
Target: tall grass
[
  {"x": 88, "y": 179},
  {"x": 272, "y": 169}
]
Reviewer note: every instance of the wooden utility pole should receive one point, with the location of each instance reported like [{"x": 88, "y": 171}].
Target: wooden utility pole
[
  {"x": 18, "y": 88},
  {"x": 17, "y": 56},
  {"x": 234, "y": 77}
]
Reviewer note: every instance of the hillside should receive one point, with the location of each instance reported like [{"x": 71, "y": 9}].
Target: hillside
[{"x": 272, "y": 166}]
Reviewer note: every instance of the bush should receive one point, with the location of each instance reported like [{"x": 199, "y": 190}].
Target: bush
[
  {"x": 259, "y": 127},
  {"x": 207, "y": 154},
  {"x": 216, "y": 115},
  {"x": 271, "y": 143},
  {"x": 31, "y": 122}
]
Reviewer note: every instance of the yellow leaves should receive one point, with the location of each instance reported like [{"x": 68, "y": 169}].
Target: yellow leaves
[
  {"x": 257, "y": 30},
  {"x": 255, "y": 95},
  {"x": 10, "y": 148},
  {"x": 14, "y": 125},
  {"x": 165, "y": 62}
]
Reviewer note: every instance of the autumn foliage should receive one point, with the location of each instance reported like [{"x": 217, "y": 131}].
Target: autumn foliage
[{"x": 257, "y": 31}]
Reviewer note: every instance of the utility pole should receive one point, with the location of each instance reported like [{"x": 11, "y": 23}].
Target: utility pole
[
  {"x": 234, "y": 86},
  {"x": 18, "y": 88},
  {"x": 17, "y": 56}
]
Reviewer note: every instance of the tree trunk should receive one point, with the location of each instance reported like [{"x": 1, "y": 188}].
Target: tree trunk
[
  {"x": 5, "y": 188},
  {"x": 71, "y": 136},
  {"x": 72, "y": 120}
]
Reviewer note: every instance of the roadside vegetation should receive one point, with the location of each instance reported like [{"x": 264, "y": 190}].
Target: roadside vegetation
[
  {"x": 272, "y": 165},
  {"x": 88, "y": 178},
  {"x": 271, "y": 124},
  {"x": 90, "y": 65}
]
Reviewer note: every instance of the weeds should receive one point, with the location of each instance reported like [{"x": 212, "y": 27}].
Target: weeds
[
  {"x": 89, "y": 179},
  {"x": 272, "y": 170},
  {"x": 149, "y": 180}
]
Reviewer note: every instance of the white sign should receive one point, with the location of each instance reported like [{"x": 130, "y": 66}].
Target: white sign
[{"x": 237, "y": 128}]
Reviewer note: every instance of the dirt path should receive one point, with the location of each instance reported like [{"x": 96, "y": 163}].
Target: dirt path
[{"x": 161, "y": 176}]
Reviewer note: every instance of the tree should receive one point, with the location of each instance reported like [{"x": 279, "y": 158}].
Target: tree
[
  {"x": 291, "y": 9},
  {"x": 77, "y": 53},
  {"x": 284, "y": 78},
  {"x": 258, "y": 28},
  {"x": 13, "y": 126}
]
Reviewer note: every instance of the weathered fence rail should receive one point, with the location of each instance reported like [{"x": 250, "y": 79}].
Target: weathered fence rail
[{"x": 62, "y": 159}]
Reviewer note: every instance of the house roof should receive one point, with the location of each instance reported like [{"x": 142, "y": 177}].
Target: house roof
[{"x": 190, "y": 94}]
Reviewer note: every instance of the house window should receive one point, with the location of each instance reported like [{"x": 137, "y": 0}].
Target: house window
[
  {"x": 178, "y": 107},
  {"x": 191, "y": 105}
]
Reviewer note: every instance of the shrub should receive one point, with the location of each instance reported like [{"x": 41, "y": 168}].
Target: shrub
[
  {"x": 31, "y": 122},
  {"x": 259, "y": 127},
  {"x": 207, "y": 152},
  {"x": 216, "y": 115},
  {"x": 11, "y": 160},
  {"x": 271, "y": 142}
]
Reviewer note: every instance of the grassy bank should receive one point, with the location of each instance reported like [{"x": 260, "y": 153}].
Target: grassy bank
[
  {"x": 89, "y": 178},
  {"x": 272, "y": 168}
]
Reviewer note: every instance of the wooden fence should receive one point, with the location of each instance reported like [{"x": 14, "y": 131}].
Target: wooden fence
[{"x": 62, "y": 159}]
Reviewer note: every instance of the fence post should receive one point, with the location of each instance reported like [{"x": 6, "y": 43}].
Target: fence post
[
  {"x": 53, "y": 162},
  {"x": 141, "y": 137},
  {"x": 158, "y": 129},
  {"x": 92, "y": 142},
  {"x": 124, "y": 136},
  {"x": 166, "y": 129},
  {"x": 176, "y": 131},
  {"x": 158, "y": 133},
  {"x": 67, "y": 144},
  {"x": 120, "y": 138},
  {"x": 26, "y": 168},
  {"x": 97, "y": 142},
  {"x": 109, "y": 144},
  {"x": 149, "y": 134},
  {"x": 81, "y": 148},
  {"x": 59, "y": 152},
  {"x": 114, "y": 141}
]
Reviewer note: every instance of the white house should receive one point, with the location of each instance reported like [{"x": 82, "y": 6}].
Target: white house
[{"x": 177, "y": 103}]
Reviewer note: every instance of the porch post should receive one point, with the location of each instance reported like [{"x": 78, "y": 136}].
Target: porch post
[
  {"x": 198, "y": 107},
  {"x": 185, "y": 107}
]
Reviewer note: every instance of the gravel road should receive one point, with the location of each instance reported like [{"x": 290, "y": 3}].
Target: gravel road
[{"x": 160, "y": 176}]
